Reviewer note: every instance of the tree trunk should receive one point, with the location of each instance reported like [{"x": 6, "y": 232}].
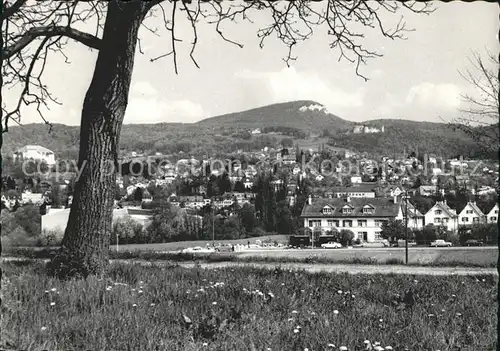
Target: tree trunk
[{"x": 86, "y": 240}]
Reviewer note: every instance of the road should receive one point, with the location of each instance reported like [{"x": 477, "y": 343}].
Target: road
[{"x": 315, "y": 268}]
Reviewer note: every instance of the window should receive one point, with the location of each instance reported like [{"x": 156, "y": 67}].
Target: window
[
  {"x": 363, "y": 236},
  {"x": 332, "y": 223},
  {"x": 368, "y": 210},
  {"x": 314, "y": 223},
  {"x": 475, "y": 220},
  {"x": 496, "y": 211},
  {"x": 465, "y": 219},
  {"x": 493, "y": 219},
  {"x": 327, "y": 210},
  {"x": 362, "y": 223},
  {"x": 469, "y": 212},
  {"x": 445, "y": 220},
  {"x": 437, "y": 220},
  {"x": 347, "y": 223},
  {"x": 438, "y": 212},
  {"x": 347, "y": 210}
]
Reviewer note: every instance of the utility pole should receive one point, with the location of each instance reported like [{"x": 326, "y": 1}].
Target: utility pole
[
  {"x": 406, "y": 225},
  {"x": 117, "y": 241},
  {"x": 213, "y": 226}
]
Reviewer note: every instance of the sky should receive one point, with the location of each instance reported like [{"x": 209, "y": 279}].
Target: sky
[{"x": 415, "y": 79}]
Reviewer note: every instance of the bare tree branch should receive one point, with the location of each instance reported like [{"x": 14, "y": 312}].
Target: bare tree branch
[{"x": 47, "y": 32}]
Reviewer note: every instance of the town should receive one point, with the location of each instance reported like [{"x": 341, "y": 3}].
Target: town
[{"x": 314, "y": 196}]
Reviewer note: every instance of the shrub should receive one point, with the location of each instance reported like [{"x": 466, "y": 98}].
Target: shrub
[{"x": 346, "y": 237}]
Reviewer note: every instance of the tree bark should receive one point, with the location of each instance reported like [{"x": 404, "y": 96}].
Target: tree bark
[{"x": 85, "y": 246}]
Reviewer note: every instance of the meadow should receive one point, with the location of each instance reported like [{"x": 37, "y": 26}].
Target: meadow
[{"x": 136, "y": 307}]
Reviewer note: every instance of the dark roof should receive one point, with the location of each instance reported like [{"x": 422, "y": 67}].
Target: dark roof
[
  {"x": 366, "y": 187},
  {"x": 383, "y": 207}
]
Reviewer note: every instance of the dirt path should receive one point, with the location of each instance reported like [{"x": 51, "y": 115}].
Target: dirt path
[{"x": 318, "y": 267}]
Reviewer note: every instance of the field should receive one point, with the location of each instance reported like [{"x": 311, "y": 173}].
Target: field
[
  {"x": 174, "y": 308},
  {"x": 179, "y": 245}
]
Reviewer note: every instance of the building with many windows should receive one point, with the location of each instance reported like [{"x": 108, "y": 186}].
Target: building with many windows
[
  {"x": 492, "y": 216},
  {"x": 442, "y": 215},
  {"x": 471, "y": 214},
  {"x": 363, "y": 216}
]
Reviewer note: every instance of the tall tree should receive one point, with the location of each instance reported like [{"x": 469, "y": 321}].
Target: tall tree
[
  {"x": 33, "y": 31},
  {"x": 480, "y": 118}
]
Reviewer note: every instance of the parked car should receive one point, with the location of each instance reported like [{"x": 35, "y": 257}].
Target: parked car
[
  {"x": 331, "y": 245},
  {"x": 193, "y": 249},
  {"x": 472, "y": 242},
  {"x": 225, "y": 248},
  {"x": 441, "y": 243}
]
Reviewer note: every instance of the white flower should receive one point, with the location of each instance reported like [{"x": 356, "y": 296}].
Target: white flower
[
  {"x": 108, "y": 288},
  {"x": 205, "y": 344},
  {"x": 141, "y": 282},
  {"x": 380, "y": 320},
  {"x": 295, "y": 331},
  {"x": 453, "y": 295},
  {"x": 331, "y": 345},
  {"x": 53, "y": 289},
  {"x": 306, "y": 349},
  {"x": 335, "y": 312},
  {"x": 298, "y": 327},
  {"x": 459, "y": 314},
  {"x": 52, "y": 303},
  {"x": 430, "y": 315},
  {"x": 152, "y": 305},
  {"x": 353, "y": 296},
  {"x": 290, "y": 319},
  {"x": 367, "y": 341},
  {"x": 282, "y": 284},
  {"x": 46, "y": 291},
  {"x": 294, "y": 312},
  {"x": 442, "y": 310},
  {"x": 43, "y": 328},
  {"x": 343, "y": 348},
  {"x": 388, "y": 347},
  {"x": 140, "y": 291},
  {"x": 340, "y": 291},
  {"x": 214, "y": 303},
  {"x": 134, "y": 305},
  {"x": 313, "y": 313}
]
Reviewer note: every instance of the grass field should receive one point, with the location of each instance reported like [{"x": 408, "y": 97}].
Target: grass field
[
  {"x": 179, "y": 245},
  {"x": 173, "y": 308}
]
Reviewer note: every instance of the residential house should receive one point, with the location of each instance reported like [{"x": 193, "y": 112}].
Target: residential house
[
  {"x": 471, "y": 214},
  {"x": 35, "y": 152},
  {"x": 492, "y": 216},
  {"x": 442, "y": 215},
  {"x": 363, "y": 216},
  {"x": 34, "y": 198},
  {"x": 416, "y": 219},
  {"x": 427, "y": 190},
  {"x": 356, "y": 180},
  {"x": 357, "y": 191}
]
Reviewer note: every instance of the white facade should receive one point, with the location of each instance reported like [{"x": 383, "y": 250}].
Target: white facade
[
  {"x": 492, "y": 216},
  {"x": 442, "y": 215},
  {"x": 36, "y": 152},
  {"x": 470, "y": 215}
]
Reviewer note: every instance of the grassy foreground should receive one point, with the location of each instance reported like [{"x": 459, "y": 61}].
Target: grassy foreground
[{"x": 173, "y": 308}]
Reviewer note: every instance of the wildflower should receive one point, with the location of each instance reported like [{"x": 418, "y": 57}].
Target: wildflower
[
  {"x": 340, "y": 291},
  {"x": 367, "y": 342},
  {"x": 214, "y": 303},
  {"x": 313, "y": 313},
  {"x": 388, "y": 347},
  {"x": 453, "y": 295},
  {"x": 306, "y": 349},
  {"x": 108, "y": 288},
  {"x": 295, "y": 331},
  {"x": 343, "y": 348},
  {"x": 134, "y": 305},
  {"x": 335, "y": 312},
  {"x": 443, "y": 310},
  {"x": 301, "y": 290},
  {"x": 133, "y": 289},
  {"x": 52, "y": 303},
  {"x": 376, "y": 343},
  {"x": 353, "y": 296},
  {"x": 43, "y": 328},
  {"x": 331, "y": 345},
  {"x": 294, "y": 312},
  {"x": 459, "y": 314},
  {"x": 380, "y": 320},
  {"x": 152, "y": 305},
  {"x": 298, "y": 327},
  {"x": 53, "y": 289},
  {"x": 282, "y": 284},
  {"x": 484, "y": 280},
  {"x": 205, "y": 344},
  {"x": 290, "y": 319},
  {"x": 430, "y": 315},
  {"x": 379, "y": 348},
  {"x": 140, "y": 291},
  {"x": 268, "y": 349},
  {"x": 415, "y": 281},
  {"x": 141, "y": 282},
  {"x": 46, "y": 291}
]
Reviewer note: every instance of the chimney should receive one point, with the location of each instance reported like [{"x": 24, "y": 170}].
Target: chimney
[
  {"x": 309, "y": 199},
  {"x": 395, "y": 198},
  {"x": 348, "y": 199}
]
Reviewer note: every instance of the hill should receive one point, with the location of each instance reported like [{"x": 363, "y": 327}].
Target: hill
[
  {"x": 305, "y": 115},
  {"x": 228, "y": 133},
  {"x": 428, "y": 137}
]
